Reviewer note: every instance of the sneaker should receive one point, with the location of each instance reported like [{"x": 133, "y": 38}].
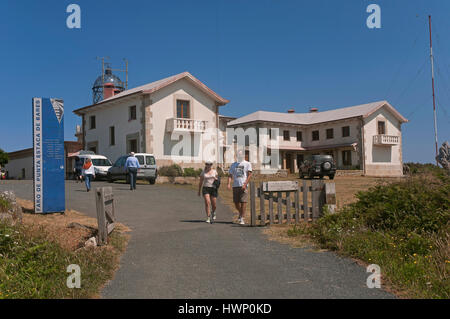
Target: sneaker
[
  {"x": 241, "y": 221},
  {"x": 214, "y": 215},
  {"x": 208, "y": 220}
]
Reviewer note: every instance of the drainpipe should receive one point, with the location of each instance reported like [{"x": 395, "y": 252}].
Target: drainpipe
[
  {"x": 217, "y": 135},
  {"x": 362, "y": 145}
]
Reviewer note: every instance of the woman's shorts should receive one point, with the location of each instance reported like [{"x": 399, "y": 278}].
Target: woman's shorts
[{"x": 212, "y": 191}]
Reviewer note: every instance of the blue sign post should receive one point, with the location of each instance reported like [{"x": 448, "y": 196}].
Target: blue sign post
[{"x": 48, "y": 157}]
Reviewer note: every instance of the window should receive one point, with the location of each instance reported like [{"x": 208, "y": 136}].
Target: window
[
  {"x": 300, "y": 159},
  {"x": 270, "y": 133},
  {"x": 101, "y": 162},
  {"x": 183, "y": 109},
  {"x": 132, "y": 113},
  {"x": 93, "y": 149},
  {"x": 150, "y": 160},
  {"x": 286, "y": 136},
  {"x": 315, "y": 135},
  {"x": 299, "y": 136},
  {"x": 345, "y": 131},
  {"x": 347, "y": 158},
  {"x": 92, "y": 122},
  {"x": 381, "y": 127},
  {"x": 330, "y": 133},
  {"x": 133, "y": 145},
  {"x": 112, "y": 136},
  {"x": 140, "y": 159}
]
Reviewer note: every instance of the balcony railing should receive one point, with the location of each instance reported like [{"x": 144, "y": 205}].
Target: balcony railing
[
  {"x": 386, "y": 140},
  {"x": 185, "y": 125}
]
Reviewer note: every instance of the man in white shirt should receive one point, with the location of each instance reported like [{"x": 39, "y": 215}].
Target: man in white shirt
[{"x": 240, "y": 172}]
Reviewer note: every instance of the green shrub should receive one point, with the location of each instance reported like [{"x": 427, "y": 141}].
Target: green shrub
[
  {"x": 31, "y": 266},
  {"x": 428, "y": 168},
  {"x": 173, "y": 170},
  {"x": 221, "y": 172},
  {"x": 192, "y": 172},
  {"x": 403, "y": 227},
  {"x": 4, "y": 205}
]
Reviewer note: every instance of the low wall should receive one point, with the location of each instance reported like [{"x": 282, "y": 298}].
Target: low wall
[
  {"x": 279, "y": 173},
  {"x": 177, "y": 180},
  {"x": 349, "y": 172},
  {"x": 384, "y": 170}
]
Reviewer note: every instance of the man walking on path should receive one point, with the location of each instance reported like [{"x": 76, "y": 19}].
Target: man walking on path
[
  {"x": 132, "y": 166},
  {"x": 240, "y": 171}
]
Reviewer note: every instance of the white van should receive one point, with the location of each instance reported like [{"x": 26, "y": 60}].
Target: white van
[{"x": 101, "y": 164}]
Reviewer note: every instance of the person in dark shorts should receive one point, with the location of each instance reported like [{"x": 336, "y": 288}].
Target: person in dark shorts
[
  {"x": 207, "y": 188},
  {"x": 240, "y": 173}
]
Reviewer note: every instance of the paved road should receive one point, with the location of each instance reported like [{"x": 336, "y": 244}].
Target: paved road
[{"x": 173, "y": 253}]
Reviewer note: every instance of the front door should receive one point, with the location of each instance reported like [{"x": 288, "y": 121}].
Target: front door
[{"x": 289, "y": 163}]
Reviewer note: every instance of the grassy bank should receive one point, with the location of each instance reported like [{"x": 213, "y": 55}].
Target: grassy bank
[
  {"x": 34, "y": 257},
  {"x": 403, "y": 227}
]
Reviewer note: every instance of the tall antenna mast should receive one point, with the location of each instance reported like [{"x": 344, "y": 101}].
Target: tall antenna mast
[{"x": 432, "y": 85}]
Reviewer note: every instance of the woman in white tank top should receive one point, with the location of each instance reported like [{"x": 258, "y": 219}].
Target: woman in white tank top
[{"x": 209, "y": 191}]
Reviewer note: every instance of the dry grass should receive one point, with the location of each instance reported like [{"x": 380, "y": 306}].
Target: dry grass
[{"x": 56, "y": 225}]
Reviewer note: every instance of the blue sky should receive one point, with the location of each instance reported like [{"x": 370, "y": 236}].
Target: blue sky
[{"x": 264, "y": 54}]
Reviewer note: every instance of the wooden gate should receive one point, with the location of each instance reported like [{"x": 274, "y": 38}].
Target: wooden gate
[
  {"x": 105, "y": 213},
  {"x": 293, "y": 202}
]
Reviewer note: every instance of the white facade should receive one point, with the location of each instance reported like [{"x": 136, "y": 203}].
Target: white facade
[
  {"x": 20, "y": 165},
  {"x": 383, "y": 158},
  {"x": 162, "y": 126},
  {"x": 352, "y": 135},
  {"x": 157, "y": 128}
]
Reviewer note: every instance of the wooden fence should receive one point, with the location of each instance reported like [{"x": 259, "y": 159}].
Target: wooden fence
[
  {"x": 292, "y": 201},
  {"x": 105, "y": 213}
]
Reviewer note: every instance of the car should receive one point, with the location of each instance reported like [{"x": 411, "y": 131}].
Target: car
[
  {"x": 101, "y": 164},
  {"x": 147, "y": 171},
  {"x": 318, "y": 165}
]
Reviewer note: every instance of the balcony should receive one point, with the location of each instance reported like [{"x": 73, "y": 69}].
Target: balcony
[
  {"x": 387, "y": 140},
  {"x": 185, "y": 125}
]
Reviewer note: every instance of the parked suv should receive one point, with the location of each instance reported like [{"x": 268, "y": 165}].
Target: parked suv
[
  {"x": 148, "y": 169},
  {"x": 318, "y": 165}
]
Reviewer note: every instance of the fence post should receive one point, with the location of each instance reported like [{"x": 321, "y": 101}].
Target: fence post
[
  {"x": 297, "y": 206},
  {"x": 270, "y": 208},
  {"x": 280, "y": 208},
  {"x": 253, "y": 203},
  {"x": 305, "y": 201},
  {"x": 104, "y": 200},
  {"x": 101, "y": 217},
  {"x": 288, "y": 207},
  {"x": 262, "y": 207},
  {"x": 317, "y": 202},
  {"x": 330, "y": 197}
]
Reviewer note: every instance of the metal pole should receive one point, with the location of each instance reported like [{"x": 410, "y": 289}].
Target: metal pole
[{"x": 432, "y": 85}]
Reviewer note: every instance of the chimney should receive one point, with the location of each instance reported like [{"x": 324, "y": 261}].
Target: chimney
[
  {"x": 313, "y": 110},
  {"x": 291, "y": 111},
  {"x": 108, "y": 90}
]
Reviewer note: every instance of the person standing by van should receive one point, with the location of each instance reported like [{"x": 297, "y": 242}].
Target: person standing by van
[
  {"x": 88, "y": 173},
  {"x": 209, "y": 190},
  {"x": 132, "y": 166}
]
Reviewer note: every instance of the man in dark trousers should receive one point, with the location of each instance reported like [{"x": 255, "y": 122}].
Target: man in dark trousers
[{"x": 132, "y": 166}]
